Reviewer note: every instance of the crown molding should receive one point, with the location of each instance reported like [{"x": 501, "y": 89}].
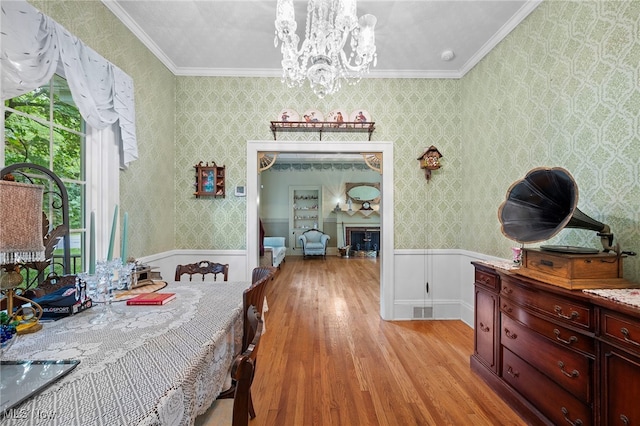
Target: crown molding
[
  {"x": 509, "y": 26},
  {"x": 138, "y": 32},
  {"x": 128, "y": 22}
]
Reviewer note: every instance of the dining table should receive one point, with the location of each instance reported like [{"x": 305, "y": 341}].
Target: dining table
[{"x": 140, "y": 365}]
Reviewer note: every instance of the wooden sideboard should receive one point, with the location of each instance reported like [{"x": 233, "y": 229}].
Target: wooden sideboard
[{"x": 556, "y": 356}]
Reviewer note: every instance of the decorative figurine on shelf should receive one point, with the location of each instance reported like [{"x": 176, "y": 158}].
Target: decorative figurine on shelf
[
  {"x": 517, "y": 255},
  {"x": 350, "y": 204},
  {"x": 430, "y": 160}
]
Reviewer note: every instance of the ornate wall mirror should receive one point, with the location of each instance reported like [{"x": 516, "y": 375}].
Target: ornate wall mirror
[{"x": 363, "y": 192}]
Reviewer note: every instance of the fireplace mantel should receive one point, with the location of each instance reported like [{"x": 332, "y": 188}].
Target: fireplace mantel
[
  {"x": 365, "y": 213},
  {"x": 355, "y": 218}
]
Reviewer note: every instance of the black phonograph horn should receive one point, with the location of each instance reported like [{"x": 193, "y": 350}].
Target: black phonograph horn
[{"x": 544, "y": 203}]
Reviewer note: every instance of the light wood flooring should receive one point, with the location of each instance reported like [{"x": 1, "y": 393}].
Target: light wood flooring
[{"x": 327, "y": 358}]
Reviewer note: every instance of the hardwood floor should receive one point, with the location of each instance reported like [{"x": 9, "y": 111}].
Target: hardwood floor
[{"x": 327, "y": 358}]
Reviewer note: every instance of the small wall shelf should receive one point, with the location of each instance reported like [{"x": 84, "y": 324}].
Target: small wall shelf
[
  {"x": 210, "y": 180},
  {"x": 321, "y": 126}
]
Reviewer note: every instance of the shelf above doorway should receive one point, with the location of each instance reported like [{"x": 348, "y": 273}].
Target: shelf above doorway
[{"x": 320, "y": 127}]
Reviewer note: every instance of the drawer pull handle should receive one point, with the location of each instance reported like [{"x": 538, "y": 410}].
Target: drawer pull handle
[
  {"x": 573, "y": 374},
  {"x": 624, "y": 419},
  {"x": 507, "y": 308},
  {"x": 509, "y": 334},
  {"x": 506, "y": 290},
  {"x": 484, "y": 280},
  {"x": 571, "y": 340},
  {"x": 484, "y": 328},
  {"x": 626, "y": 334},
  {"x": 546, "y": 263},
  {"x": 565, "y": 413},
  {"x": 512, "y": 373},
  {"x": 574, "y": 314}
]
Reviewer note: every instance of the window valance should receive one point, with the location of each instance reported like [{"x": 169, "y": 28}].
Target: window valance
[{"x": 34, "y": 47}]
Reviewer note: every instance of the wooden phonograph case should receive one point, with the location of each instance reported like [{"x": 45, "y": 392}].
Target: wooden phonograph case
[{"x": 536, "y": 209}]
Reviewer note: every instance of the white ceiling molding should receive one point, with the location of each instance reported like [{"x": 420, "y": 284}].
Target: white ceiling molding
[{"x": 471, "y": 29}]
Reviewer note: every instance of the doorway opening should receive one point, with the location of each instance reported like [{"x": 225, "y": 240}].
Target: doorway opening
[{"x": 255, "y": 148}]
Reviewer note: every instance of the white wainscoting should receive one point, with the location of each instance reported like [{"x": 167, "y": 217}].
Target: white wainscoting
[
  {"x": 449, "y": 272},
  {"x": 166, "y": 262}
]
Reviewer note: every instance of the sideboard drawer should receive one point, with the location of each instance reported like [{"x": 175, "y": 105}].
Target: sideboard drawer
[
  {"x": 557, "y": 333},
  {"x": 620, "y": 329},
  {"x": 555, "y": 403},
  {"x": 569, "y": 369},
  {"x": 565, "y": 310},
  {"x": 487, "y": 279}
]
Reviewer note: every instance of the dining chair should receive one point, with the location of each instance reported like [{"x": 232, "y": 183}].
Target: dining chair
[
  {"x": 237, "y": 409},
  {"x": 262, "y": 271},
  {"x": 203, "y": 267},
  {"x": 252, "y": 298}
]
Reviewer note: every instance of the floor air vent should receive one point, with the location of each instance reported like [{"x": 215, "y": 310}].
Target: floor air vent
[{"x": 422, "y": 312}]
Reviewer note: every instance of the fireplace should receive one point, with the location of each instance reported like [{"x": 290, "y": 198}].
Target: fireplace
[{"x": 364, "y": 241}]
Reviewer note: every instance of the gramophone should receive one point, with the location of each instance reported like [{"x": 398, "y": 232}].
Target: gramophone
[{"x": 537, "y": 208}]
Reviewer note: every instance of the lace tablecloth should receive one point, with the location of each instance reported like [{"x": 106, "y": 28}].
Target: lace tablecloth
[
  {"x": 152, "y": 365},
  {"x": 628, "y": 296}
]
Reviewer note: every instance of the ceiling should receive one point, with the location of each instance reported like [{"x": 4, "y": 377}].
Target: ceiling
[{"x": 236, "y": 37}]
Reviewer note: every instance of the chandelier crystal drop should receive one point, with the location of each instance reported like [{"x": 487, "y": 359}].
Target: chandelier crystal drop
[{"x": 322, "y": 58}]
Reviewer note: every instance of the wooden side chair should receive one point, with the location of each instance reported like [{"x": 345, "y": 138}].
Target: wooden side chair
[
  {"x": 203, "y": 267},
  {"x": 262, "y": 271},
  {"x": 236, "y": 409},
  {"x": 252, "y": 298}
]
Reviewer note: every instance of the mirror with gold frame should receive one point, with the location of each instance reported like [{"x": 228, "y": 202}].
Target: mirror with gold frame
[{"x": 363, "y": 192}]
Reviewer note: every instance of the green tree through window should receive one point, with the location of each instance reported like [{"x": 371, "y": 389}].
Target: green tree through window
[{"x": 44, "y": 127}]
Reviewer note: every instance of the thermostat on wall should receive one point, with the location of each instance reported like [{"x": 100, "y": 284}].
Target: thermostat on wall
[{"x": 240, "y": 192}]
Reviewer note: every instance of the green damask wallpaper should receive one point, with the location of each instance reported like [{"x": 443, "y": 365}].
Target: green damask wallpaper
[
  {"x": 561, "y": 90},
  {"x": 147, "y": 186},
  {"x": 216, "y": 116}
]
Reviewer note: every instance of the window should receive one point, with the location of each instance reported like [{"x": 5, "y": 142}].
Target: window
[{"x": 44, "y": 127}]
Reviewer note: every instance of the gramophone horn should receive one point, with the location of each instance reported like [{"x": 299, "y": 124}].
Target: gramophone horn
[{"x": 542, "y": 204}]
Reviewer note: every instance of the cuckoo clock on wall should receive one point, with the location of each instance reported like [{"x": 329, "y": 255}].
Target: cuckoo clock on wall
[{"x": 430, "y": 160}]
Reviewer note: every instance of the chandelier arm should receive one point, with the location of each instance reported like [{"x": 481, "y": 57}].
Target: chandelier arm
[{"x": 346, "y": 64}]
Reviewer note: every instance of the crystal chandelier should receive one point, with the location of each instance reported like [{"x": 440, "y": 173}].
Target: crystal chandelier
[{"x": 322, "y": 58}]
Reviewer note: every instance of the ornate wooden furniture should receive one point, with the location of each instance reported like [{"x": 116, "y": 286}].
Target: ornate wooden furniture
[
  {"x": 252, "y": 302},
  {"x": 203, "y": 267},
  {"x": 262, "y": 272},
  {"x": 557, "y": 356},
  {"x": 236, "y": 411},
  {"x": 210, "y": 180}
]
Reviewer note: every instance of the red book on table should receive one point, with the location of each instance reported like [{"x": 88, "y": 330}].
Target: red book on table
[{"x": 151, "y": 299}]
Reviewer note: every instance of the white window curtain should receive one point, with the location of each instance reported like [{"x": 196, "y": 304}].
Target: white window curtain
[
  {"x": 103, "y": 186},
  {"x": 34, "y": 47}
]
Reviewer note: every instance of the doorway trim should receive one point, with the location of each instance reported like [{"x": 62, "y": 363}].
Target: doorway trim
[{"x": 254, "y": 147}]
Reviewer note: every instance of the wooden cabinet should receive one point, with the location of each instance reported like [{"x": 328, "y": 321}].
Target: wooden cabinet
[
  {"x": 486, "y": 318},
  {"x": 559, "y": 356},
  {"x": 210, "y": 180},
  {"x": 620, "y": 368},
  {"x": 305, "y": 211}
]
